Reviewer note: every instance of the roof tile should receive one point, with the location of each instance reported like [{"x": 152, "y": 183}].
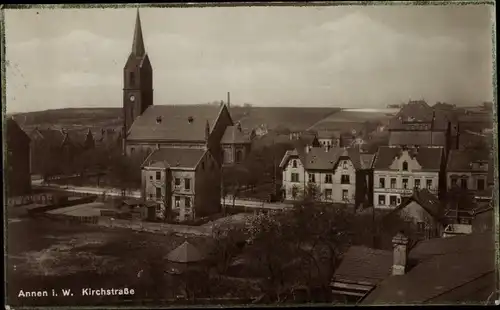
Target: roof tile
[{"x": 175, "y": 157}]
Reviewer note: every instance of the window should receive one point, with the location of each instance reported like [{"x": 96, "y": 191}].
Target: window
[
  {"x": 420, "y": 227},
  {"x": 382, "y": 182},
  {"x": 480, "y": 184},
  {"x": 151, "y": 177},
  {"x": 131, "y": 76},
  {"x": 177, "y": 201},
  {"x": 381, "y": 200},
  {"x": 463, "y": 183},
  {"x": 393, "y": 200},
  {"x": 405, "y": 183},
  {"x": 294, "y": 163},
  {"x": 158, "y": 193},
  {"x": 177, "y": 182},
  {"x": 328, "y": 179},
  {"x": 454, "y": 181},
  {"x": 187, "y": 184},
  {"x": 132, "y": 150},
  {"x": 344, "y": 164},
  {"x": 393, "y": 183},
  {"x": 428, "y": 184},
  {"x": 344, "y": 179},
  {"x": 238, "y": 156},
  {"x": 328, "y": 194},
  {"x": 151, "y": 195},
  {"x": 187, "y": 202},
  {"x": 158, "y": 175},
  {"x": 345, "y": 195},
  {"x": 312, "y": 178},
  {"x": 417, "y": 183},
  {"x": 405, "y": 166},
  {"x": 295, "y": 177}
]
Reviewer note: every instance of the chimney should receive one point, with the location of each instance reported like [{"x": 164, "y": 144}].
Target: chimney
[
  {"x": 238, "y": 126},
  {"x": 228, "y": 99},
  {"x": 400, "y": 245}
]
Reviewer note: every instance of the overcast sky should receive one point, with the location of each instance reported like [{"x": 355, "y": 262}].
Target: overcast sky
[{"x": 268, "y": 56}]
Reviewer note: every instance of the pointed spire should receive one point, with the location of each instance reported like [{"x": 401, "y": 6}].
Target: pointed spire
[{"x": 138, "y": 43}]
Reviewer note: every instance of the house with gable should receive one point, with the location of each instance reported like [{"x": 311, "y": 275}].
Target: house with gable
[
  {"x": 336, "y": 175},
  {"x": 236, "y": 144},
  {"x": 397, "y": 171},
  {"x": 183, "y": 182},
  {"x": 470, "y": 170}
]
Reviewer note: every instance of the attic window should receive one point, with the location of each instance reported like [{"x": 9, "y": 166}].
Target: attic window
[
  {"x": 190, "y": 119},
  {"x": 158, "y": 119}
]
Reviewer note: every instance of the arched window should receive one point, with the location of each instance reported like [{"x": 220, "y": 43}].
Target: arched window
[
  {"x": 239, "y": 156},
  {"x": 294, "y": 163},
  {"x": 405, "y": 166}
]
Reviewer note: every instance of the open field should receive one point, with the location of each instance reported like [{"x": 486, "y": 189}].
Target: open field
[
  {"x": 346, "y": 120},
  {"x": 45, "y": 255}
]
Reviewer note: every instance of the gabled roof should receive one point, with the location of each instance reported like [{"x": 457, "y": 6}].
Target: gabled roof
[
  {"x": 53, "y": 137},
  {"x": 367, "y": 161},
  {"x": 461, "y": 160},
  {"x": 443, "y": 266},
  {"x": 185, "y": 253},
  {"x": 419, "y": 112},
  {"x": 176, "y": 122},
  {"x": 428, "y": 201},
  {"x": 428, "y": 157},
  {"x": 175, "y": 158},
  {"x": 318, "y": 158},
  {"x": 361, "y": 264},
  {"x": 420, "y": 138},
  {"x": 235, "y": 135}
]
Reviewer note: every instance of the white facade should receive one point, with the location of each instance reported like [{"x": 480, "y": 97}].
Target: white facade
[
  {"x": 337, "y": 186},
  {"x": 405, "y": 174}
]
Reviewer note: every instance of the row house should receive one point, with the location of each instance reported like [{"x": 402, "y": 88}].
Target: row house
[
  {"x": 335, "y": 175},
  {"x": 397, "y": 171},
  {"x": 17, "y": 160},
  {"x": 470, "y": 170},
  {"x": 183, "y": 182}
]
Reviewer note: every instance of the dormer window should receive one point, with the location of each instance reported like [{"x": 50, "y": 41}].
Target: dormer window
[
  {"x": 405, "y": 166},
  {"x": 158, "y": 119}
]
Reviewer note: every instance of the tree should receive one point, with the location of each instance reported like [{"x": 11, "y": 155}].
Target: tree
[{"x": 227, "y": 239}]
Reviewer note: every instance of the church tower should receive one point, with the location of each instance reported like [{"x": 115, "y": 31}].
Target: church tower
[{"x": 137, "y": 80}]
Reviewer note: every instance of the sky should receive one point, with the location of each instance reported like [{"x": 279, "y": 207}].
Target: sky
[{"x": 338, "y": 56}]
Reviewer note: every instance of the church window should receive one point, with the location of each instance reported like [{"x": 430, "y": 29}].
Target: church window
[{"x": 132, "y": 78}]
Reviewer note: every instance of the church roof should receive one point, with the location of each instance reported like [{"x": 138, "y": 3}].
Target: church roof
[
  {"x": 175, "y": 158},
  {"x": 175, "y": 122},
  {"x": 233, "y": 135},
  {"x": 185, "y": 253},
  {"x": 138, "y": 43}
]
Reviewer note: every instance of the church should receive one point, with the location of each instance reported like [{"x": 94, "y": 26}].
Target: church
[{"x": 165, "y": 132}]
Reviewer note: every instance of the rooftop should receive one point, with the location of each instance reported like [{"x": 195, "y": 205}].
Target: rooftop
[
  {"x": 428, "y": 157},
  {"x": 175, "y": 158}
]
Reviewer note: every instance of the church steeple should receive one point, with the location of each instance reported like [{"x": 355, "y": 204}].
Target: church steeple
[{"x": 138, "y": 43}]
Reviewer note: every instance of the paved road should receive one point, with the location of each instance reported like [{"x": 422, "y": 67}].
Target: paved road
[{"x": 113, "y": 192}]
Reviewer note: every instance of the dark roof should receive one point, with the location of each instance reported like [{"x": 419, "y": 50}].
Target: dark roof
[
  {"x": 320, "y": 159},
  {"x": 419, "y": 113},
  {"x": 428, "y": 157},
  {"x": 428, "y": 201},
  {"x": 420, "y": 138},
  {"x": 235, "y": 135},
  {"x": 175, "y": 158},
  {"x": 367, "y": 160},
  {"x": 107, "y": 136},
  {"x": 460, "y": 160},
  {"x": 362, "y": 264},
  {"x": 445, "y": 266},
  {"x": 176, "y": 123},
  {"x": 185, "y": 253},
  {"x": 53, "y": 137}
]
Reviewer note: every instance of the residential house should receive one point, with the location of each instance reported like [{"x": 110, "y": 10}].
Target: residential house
[
  {"x": 261, "y": 130},
  {"x": 418, "y": 124},
  {"x": 469, "y": 170},
  {"x": 328, "y": 138},
  {"x": 148, "y": 127},
  {"x": 17, "y": 160},
  {"x": 236, "y": 144},
  {"x": 424, "y": 210},
  {"x": 435, "y": 271},
  {"x": 397, "y": 171},
  {"x": 336, "y": 175},
  {"x": 109, "y": 138},
  {"x": 184, "y": 182}
]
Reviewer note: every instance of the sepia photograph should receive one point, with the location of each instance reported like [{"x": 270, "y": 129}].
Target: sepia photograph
[{"x": 263, "y": 154}]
